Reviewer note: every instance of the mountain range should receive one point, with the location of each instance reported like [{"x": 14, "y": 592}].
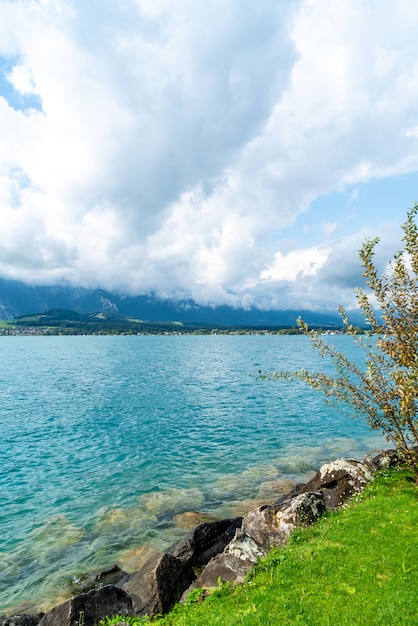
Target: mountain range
[{"x": 18, "y": 298}]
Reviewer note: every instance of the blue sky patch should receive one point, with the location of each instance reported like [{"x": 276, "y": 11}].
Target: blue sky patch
[{"x": 16, "y": 100}]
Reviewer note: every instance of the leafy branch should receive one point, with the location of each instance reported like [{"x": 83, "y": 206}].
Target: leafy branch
[{"x": 384, "y": 391}]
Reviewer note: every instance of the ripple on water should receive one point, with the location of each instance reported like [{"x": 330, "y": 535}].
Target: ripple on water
[
  {"x": 30, "y": 572},
  {"x": 52, "y": 536},
  {"x": 242, "y": 485}
]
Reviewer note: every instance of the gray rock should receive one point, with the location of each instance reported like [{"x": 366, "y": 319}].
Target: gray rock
[
  {"x": 225, "y": 568},
  {"x": 383, "y": 460},
  {"x": 338, "y": 481},
  {"x": 232, "y": 565},
  {"x": 272, "y": 525},
  {"x": 205, "y": 541},
  {"x": 244, "y": 548},
  {"x": 159, "y": 584},
  {"x": 110, "y": 576},
  {"x": 89, "y": 608}
]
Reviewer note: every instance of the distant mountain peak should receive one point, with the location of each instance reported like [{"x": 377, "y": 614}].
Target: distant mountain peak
[{"x": 17, "y": 299}]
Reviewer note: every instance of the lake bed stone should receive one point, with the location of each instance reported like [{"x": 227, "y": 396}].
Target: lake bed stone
[{"x": 21, "y": 620}]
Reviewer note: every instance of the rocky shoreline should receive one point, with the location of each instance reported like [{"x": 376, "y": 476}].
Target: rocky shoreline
[{"x": 221, "y": 550}]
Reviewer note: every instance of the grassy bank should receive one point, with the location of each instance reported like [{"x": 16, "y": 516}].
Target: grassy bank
[{"x": 356, "y": 566}]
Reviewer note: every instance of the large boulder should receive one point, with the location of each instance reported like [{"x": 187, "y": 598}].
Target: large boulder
[
  {"x": 262, "y": 528},
  {"x": 205, "y": 541},
  {"x": 272, "y": 525},
  {"x": 338, "y": 481},
  {"x": 159, "y": 584},
  {"x": 232, "y": 565},
  {"x": 89, "y": 608}
]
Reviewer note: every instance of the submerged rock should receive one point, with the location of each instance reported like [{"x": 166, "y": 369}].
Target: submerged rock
[
  {"x": 132, "y": 560},
  {"x": 190, "y": 519},
  {"x": 21, "y": 620},
  {"x": 110, "y": 576}
]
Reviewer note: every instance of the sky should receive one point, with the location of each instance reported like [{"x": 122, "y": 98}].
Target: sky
[{"x": 230, "y": 151}]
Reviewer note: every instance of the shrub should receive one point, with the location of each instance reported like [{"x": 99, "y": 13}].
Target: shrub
[{"x": 384, "y": 390}]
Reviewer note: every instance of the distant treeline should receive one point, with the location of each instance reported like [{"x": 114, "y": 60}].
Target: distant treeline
[
  {"x": 65, "y": 322},
  {"x": 144, "y": 328}
]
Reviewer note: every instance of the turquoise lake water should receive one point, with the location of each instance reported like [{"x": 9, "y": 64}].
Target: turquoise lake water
[{"x": 108, "y": 443}]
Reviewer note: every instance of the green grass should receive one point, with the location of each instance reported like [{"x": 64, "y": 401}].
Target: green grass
[{"x": 356, "y": 566}]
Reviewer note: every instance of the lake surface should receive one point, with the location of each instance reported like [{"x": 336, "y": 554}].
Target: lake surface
[{"x": 109, "y": 443}]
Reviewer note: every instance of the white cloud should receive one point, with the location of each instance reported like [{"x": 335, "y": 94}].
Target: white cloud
[
  {"x": 296, "y": 264},
  {"x": 22, "y": 80},
  {"x": 177, "y": 143}
]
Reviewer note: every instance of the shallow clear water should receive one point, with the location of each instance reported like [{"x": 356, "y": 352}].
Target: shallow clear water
[{"x": 106, "y": 441}]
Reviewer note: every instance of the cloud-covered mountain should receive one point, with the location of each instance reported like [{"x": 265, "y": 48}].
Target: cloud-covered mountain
[
  {"x": 17, "y": 298},
  {"x": 224, "y": 152}
]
